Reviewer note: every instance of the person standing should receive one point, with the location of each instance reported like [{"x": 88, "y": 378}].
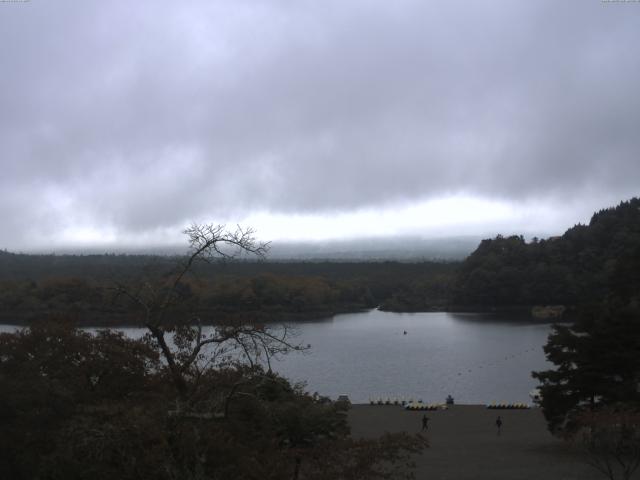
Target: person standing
[
  {"x": 425, "y": 422},
  {"x": 499, "y": 424}
]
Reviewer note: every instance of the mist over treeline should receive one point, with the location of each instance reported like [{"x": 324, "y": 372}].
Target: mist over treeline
[
  {"x": 403, "y": 248},
  {"x": 583, "y": 264}
]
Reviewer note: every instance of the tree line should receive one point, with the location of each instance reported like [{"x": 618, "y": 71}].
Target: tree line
[
  {"x": 504, "y": 272},
  {"x": 180, "y": 403},
  {"x": 177, "y": 403},
  {"x": 586, "y": 262},
  {"x": 592, "y": 395},
  {"x": 82, "y": 287}
]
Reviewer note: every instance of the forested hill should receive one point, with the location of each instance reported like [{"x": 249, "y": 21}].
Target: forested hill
[
  {"x": 584, "y": 265},
  {"x": 588, "y": 264}
]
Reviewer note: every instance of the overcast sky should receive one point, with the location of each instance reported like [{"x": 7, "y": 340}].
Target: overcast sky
[{"x": 121, "y": 122}]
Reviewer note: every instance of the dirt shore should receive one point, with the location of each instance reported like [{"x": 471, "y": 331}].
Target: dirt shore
[{"x": 464, "y": 443}]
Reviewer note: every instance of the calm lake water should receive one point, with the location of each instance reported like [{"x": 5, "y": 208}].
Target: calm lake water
[{"x": 475, "y": 358}]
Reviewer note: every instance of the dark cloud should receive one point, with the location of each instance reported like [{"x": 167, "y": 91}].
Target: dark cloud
[{"x": 147, "y": 114}]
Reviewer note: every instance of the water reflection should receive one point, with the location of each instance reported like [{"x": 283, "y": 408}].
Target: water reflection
[
  {"x": 477, "y": 358},
  {"x": 516, "y": 318}
]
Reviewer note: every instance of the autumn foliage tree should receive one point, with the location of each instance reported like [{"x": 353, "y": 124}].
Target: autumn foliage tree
[{"x": 193, "y": 399}]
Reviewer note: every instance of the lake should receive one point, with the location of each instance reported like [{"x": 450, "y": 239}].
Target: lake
[{"x": 476, "y": 358}]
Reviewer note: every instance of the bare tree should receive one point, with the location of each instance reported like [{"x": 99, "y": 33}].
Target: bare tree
[
  {"x": 191, "y": 350},
  {"x": 610, "y": 439}
]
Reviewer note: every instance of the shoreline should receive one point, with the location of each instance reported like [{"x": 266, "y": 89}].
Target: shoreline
[{"x": 119, "y": 320}]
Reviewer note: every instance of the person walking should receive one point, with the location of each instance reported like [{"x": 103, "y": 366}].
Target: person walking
[
  {"x": 499, "y": 424},
  {"x": 425, "y": 422}
]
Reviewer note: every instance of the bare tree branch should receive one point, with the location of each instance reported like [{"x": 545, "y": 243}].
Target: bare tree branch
[{"x": 206, "y": 242}]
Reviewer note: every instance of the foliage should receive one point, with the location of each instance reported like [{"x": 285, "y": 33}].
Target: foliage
[
  {"x": 76, "y": 405},
  {"x": 53, "y": 379},
  {"x": 570, "y": 270},
  {"x": 611, "y": 440},
  {"x": 79, "y": 287},
  {"x": 593, "y": 395},
  {"x": 597, "y": 364},
  {"x": 182, "y": 402},
  {"x": 573, "y": 269}
]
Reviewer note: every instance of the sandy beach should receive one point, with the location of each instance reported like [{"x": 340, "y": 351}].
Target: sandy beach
[{"x": 464, "y": 443}]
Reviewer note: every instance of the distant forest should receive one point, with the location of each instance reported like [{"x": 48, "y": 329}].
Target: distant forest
[{"x": 579, "y": 267}]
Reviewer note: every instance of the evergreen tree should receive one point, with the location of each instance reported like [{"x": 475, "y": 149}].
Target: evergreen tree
[{"x": 597, "y": 365}]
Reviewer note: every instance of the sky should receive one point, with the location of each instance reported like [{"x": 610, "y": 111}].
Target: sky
[{"x": 123, "y": 122}]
